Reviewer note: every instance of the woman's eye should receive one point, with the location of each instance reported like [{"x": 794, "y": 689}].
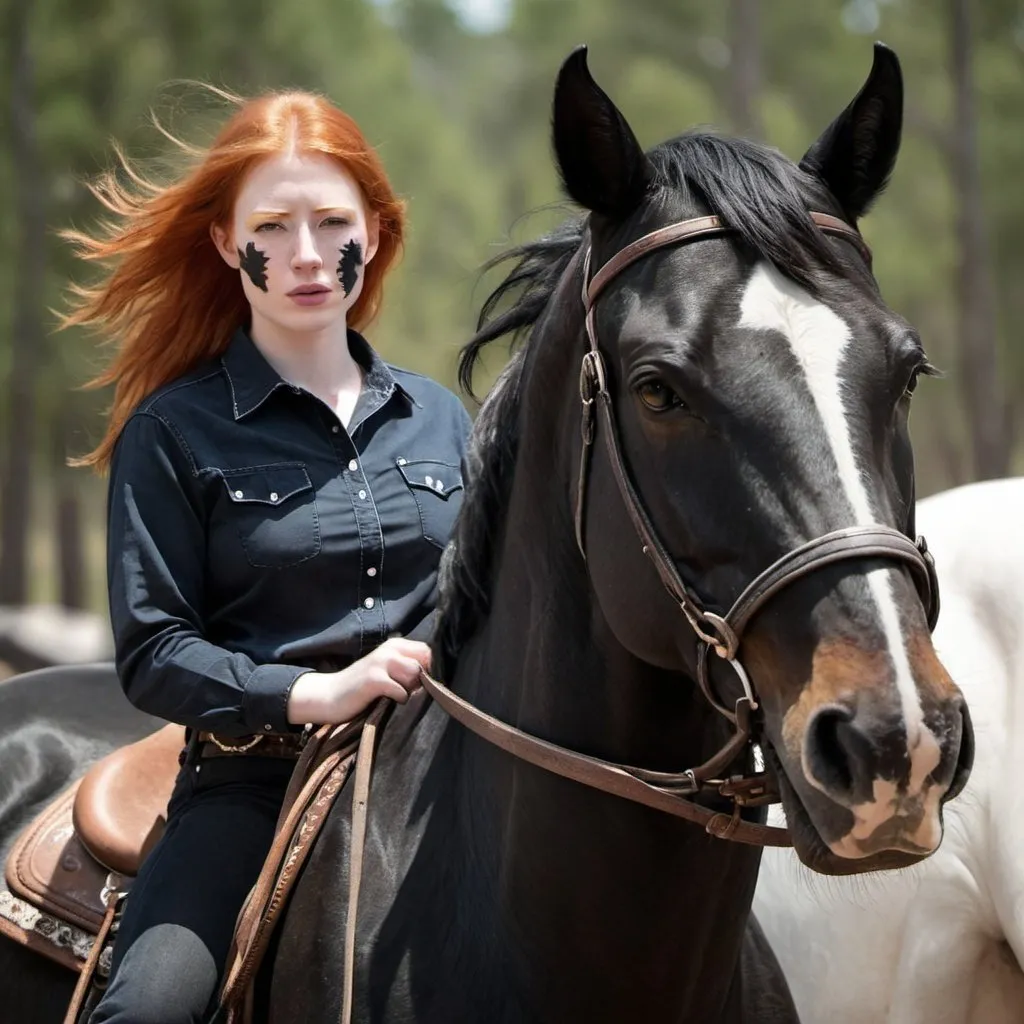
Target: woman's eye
[
  {"x": 268, "y": 226},
  {"x": 336, "y": 222},
  {"x": 658, "y": 397}
]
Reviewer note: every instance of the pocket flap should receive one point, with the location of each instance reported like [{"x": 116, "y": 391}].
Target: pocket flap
[
  {"x": 441, "y": 478},
  {"x": 267, "y": 485}
]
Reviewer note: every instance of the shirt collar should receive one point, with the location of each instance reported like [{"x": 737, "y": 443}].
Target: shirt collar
[{"x": 252, "y": 379}]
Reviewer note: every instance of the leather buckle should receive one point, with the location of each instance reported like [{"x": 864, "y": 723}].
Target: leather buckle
[{"x": 592, "y": 378}]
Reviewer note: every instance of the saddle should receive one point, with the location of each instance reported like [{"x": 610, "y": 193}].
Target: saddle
[
  {"x": 70, "y": 867},
  {"x": 87, "y": 845}
]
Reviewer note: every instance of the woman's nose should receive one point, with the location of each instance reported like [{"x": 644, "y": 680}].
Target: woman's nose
[{"x": 305, "y": 253}]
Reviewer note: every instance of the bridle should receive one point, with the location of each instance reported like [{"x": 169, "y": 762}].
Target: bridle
[{"x": 674, "y": 792}]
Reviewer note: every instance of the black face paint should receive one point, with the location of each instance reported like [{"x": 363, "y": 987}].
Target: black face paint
[
  {"x": 254, "y": 263},
  {"x": 349, "y": 264}
]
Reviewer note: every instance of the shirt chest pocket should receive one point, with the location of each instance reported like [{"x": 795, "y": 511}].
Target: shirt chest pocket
[
  {"x": 437, "y": 488},
  {"x": 273, "y": 509}
]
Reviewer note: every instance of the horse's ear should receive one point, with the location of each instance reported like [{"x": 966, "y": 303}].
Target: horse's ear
[
  {"x": 602, "y": 165},
  {"x": 856, "y": 153}
]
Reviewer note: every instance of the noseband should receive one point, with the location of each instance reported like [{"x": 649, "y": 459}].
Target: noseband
[{"x": 721, "y": 634}]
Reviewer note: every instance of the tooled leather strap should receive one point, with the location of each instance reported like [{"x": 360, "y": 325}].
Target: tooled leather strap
[
  {"x": 316, "y": 782},
  {"x": 599, "y": 774},
  {"x": 360, "y": 814}
]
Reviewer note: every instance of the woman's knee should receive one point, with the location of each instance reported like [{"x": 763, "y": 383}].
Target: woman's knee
[{"x": 166, "y": 976}]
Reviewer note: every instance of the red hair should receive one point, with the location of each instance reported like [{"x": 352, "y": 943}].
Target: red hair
[{"x": 169, "y": 301}]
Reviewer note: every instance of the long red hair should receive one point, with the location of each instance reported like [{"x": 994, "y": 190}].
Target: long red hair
[{"x": 169, "y": 301}]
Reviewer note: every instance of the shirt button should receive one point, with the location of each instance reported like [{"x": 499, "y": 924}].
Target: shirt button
[
  {"x": 362, "y": 495},
  {"x": 371, "y": 571},
  {"x": 267, "y": 728},
  {"x": 335, "y": 429},
  {"x": 239, "y": 494},
  {"x": 368, "y": 603},
  {"x": 401, "y": 462},
  {"x": 353, "y": 466},
  {"x": 429, "y": 481},
  {"x": 273, "y": 495}
]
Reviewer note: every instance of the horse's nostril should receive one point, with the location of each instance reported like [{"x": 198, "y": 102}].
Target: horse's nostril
[{"x": 839, "y": 755}]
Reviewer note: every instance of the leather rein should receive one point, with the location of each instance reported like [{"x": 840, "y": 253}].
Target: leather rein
[{"x": 674, "y": 792}]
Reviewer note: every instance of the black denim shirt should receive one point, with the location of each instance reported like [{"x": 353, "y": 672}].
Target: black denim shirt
[{"x": 252, "y": 537}]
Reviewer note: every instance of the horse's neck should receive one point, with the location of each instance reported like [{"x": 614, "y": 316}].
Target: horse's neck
[{"x": 615, "y": 911}]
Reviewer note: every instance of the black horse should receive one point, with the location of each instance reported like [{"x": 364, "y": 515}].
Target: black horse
[{"x": 761, "y": 388}]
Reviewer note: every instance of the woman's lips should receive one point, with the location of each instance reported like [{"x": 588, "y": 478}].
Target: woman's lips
[{"x": 314, "y": 296}]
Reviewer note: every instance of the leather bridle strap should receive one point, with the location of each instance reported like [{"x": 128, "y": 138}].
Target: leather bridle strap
[
  {"x": 850, "y": 542},
  {"x": 702, "y": 227},
  {"x": 720, "y": 633},
  {"x": 605, "y": 776},
  {"x": 853, "y": 542},
  {"x": 674, "y": 792}
]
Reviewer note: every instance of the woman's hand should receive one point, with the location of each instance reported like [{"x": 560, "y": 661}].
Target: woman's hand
[{"x": 327, "y": 698}]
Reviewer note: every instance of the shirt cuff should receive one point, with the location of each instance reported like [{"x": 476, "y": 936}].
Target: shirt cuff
[{"x": 265, "y": 700}]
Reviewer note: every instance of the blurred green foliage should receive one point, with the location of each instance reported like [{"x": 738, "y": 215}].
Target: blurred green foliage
[{"x": 462, "y": 122}]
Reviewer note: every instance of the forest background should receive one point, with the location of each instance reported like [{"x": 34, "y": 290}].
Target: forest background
[{"x": 456, "y": 94}]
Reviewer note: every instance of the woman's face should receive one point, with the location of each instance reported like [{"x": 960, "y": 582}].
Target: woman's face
[{"x": 301, "y": 239}]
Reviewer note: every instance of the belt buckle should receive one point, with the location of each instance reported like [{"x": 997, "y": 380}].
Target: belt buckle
[{"x": 235, "y": 748}]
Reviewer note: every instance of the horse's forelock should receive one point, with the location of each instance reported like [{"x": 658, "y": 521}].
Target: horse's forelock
[{"x": 757, "y": 192}]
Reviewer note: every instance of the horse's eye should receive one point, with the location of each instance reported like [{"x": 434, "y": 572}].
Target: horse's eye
[
  {"x": 658, "y": 397},
  {"x": 923, "y": 369}
]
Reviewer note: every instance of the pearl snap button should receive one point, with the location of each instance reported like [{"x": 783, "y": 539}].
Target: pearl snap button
[
  {"x": 273, "y": 495},
  {"x": 371, "y": 571},
  {"x": 238, "y": 494},
  {"x": 368, "y": 603},
  {"x": 353, "y": 466}
]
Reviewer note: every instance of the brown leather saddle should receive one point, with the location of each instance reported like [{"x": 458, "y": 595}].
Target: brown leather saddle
[{"x": 86, "y": 844}]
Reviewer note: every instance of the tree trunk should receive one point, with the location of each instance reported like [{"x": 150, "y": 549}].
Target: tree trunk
[
  {"x": 27, "y": 330},
  {"x": 985, "y": 400},
  {"x": 69, "y": 535},
  {"x": 744, "y": 80}
]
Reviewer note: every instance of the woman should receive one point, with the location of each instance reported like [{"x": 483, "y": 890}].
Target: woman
[{"x": 279, "y": 498}]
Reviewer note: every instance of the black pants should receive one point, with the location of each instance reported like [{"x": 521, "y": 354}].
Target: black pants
[{"x": 178, "y": 922}]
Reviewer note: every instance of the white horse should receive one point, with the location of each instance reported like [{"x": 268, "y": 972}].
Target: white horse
[{"x": 953, "y": 948}]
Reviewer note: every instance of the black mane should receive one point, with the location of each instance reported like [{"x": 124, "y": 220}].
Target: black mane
[{"x": 757, "y": 191}]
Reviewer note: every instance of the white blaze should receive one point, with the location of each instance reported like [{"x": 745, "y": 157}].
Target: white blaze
[{"x": 819, "y": 338}]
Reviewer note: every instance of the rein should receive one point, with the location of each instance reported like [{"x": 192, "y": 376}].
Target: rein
[{"x": 674, "y": 792}]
